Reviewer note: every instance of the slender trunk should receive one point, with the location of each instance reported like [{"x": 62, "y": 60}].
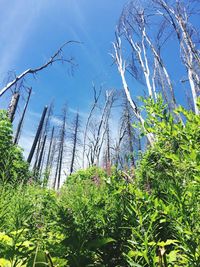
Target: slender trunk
[
  {"x": 41, "y": 154},
  {"x": 74, "y": 143},
  {"x": 60, "y": 152},
  {"x": 60, "y": 167},
  {"x": 130, "y": 136},
  {"x": 96, "y": 99},
  {"x": 121, "y": 69},
  {"x": 20, "y": 124},
  {"x": 30, "y": 156},
  {"x": 193, "y": 90},
  {"x": 57, "y": 168},
  {"x": 50, "y": 148},
  {"x": 13, "y": 106}
]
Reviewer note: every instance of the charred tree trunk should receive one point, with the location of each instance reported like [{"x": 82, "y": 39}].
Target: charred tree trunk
[
  {"x": 44, "y": 133},
  {"x": 60, "y": 151},
  {"x": 13, "y": 106},
  {"x": 50, "y": 149},
  {"x": 74, "y": 139},
  {"x": 30, "y": 156},
  {"x": 107, "y": 152},
  {"x": 20, "y": 124},
  {"x": 57, "y": 168},
  {"x": 37, "y": 169},
  {"x": 60, "y": 166},
  {"x": 130, "y": 134}
]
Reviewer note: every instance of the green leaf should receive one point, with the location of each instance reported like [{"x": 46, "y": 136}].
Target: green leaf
[
  {"x": 167, "y": 243},
  {"x": 133, "y": 253},
  {"x": 5, "y": 239}
]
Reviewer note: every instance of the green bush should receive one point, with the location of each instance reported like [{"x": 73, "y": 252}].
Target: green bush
[
  {"x": 166, "y": 228},
  {"x": 13, "y": 168},
  {"x": 92, "y": 218},
  {"x": 28, "y": 229}
]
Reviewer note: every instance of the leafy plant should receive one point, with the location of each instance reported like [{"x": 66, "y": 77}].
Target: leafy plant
[{"x": 13, "y": 167}]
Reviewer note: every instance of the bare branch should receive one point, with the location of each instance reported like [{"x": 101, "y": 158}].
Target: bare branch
[{"x": 56, "y": 57}]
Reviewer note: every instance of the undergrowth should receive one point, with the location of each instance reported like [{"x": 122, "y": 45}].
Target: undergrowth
[{"x": 100, "y": 219}]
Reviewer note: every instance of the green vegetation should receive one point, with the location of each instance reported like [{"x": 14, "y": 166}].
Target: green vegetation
[
  {"x": 12, "y": 166},
  {"x": 101, "y": 219}
]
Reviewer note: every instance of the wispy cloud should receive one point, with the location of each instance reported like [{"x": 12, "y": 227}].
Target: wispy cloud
[
  {"x": 56, "y": 121},
  {"x": 83, "y": 114}
]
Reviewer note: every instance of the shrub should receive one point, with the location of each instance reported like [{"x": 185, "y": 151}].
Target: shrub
[
  {"x": 13, "y": 168},
  {"x": 92, "y": 218},
  {"x": 166, "y": 228}
]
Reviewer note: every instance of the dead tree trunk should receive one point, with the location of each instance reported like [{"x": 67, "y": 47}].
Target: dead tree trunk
[
  {"x": 74, "y": 140},
  {"x": 30, "y": 156},
  {"x": 107, "y": 150},
  {"x": 60, "y": 167},
  {"x": 101, "y": 131},
  {"x": 122, "y": 69},
  {"x": 20, "y": 124},
  {"x": 129, "y": 133},
  {"x": 62, "y": 135},
  {"x": 44, "y": 133},
  {"x": 37, "y": 170},
  {"x": 177, "y": 15},
  {"x": 13, "y": 105},
  {"x": 96, "y": 99},
  {"x": 50, "y": 149}
]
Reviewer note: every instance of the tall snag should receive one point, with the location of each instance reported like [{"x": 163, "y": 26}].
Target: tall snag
[
  {"x": 75, "y": 140},
  {"x": 60, "y": 145},
  {"x": 20, "y": 124},
  {"x": 177, "y": 15},
  {"x": 39, "y": 130},
  {"x": 13, "y": 105}
]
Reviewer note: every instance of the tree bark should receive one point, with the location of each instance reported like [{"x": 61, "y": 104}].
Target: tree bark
[{"x": 13, "y": 105}]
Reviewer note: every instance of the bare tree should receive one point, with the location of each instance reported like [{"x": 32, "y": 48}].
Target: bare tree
[
  {"x": 48, "y": 162},
  {"x": 116, "y": 147},
  {"x": 20, "y": 124},
  {"x": 127, "y": 140},
  {"x": 134, "y": 23},
  {"x": 97, "y": 133},
  {"x": 42, "y": 141},
  {"x": 144, "y": 30},
  {"x": 177, "y": 14},
  {"x": 94, "y": 105},
  {"x": 61, "y": 143},
  {"x": 57, "y": 56},
  {"x": 121, "y": 65},
  {"x": 38, "y": 169},
  {"x": 127, "y": 120},
  {"x": 107, "y": 157},
  {"x": 75, "y": 139},
  {"x": 51, "y": 161},
  {"x": 35, "y": 142}
]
